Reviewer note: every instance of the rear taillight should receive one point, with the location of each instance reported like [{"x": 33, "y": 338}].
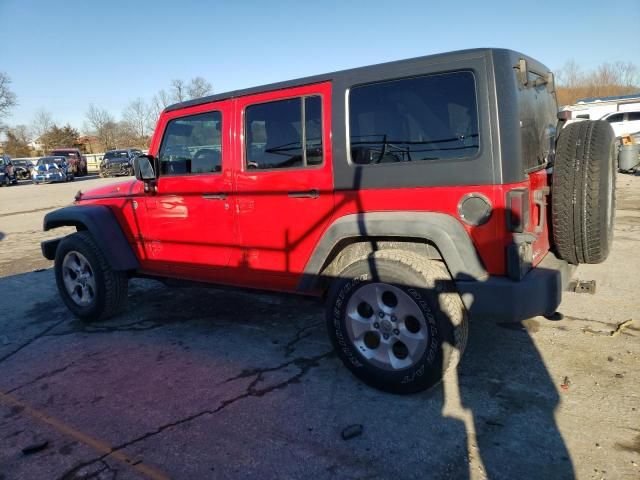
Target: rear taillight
[{"x": 518, "y": 210}]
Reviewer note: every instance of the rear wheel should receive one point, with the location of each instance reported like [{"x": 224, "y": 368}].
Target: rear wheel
[
  {"x": 88, "y": 285},
  {"x": 396, "y": 321},
  {"x": 583, "y": 195}
]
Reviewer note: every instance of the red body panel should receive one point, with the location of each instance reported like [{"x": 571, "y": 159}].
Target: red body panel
[
  {"x": 277, "y": 232},
  {"x": 538, "y": 181},
  {"x": 185, "y": 229},
  {"x": 259, "y": 236}
]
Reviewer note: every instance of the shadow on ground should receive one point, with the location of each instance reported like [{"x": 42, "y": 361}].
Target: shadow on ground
[{"x": 203, "y": 383}]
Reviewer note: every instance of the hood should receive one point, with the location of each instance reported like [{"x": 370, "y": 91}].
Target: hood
[
  {"x": 48, "y": 168},
  {"x": 119, "y": 189}
]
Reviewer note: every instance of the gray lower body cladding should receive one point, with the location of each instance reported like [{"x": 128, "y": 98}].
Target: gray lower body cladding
[{"x": 502, "y": 299}]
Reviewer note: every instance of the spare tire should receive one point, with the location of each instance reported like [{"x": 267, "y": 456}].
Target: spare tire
[{"x": 583, "y": 192}]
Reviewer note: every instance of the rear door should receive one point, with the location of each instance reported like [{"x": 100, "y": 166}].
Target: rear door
[
  {"x": 285, "y": 182},
  {"x": 189, "y": 229}
]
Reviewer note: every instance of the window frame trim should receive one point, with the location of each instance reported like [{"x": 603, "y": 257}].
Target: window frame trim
[
  {"x": 347, "y": 110},
  {"x": 164, "y": 134},
  {"x": 244, "y": 166}
]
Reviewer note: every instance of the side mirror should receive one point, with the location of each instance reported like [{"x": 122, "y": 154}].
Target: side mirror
[{"x": 143, "y": 168}]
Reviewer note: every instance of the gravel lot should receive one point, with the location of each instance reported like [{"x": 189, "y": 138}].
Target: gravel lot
[{"x": 202, "y": 383}]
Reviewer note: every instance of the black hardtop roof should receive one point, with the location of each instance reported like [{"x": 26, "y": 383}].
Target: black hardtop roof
[{"x": 436, "y": 58}]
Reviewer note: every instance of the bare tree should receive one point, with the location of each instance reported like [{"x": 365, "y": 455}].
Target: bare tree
[
  {"x": 199, "y": 87},
  {"x": 103, "y": 125},
  {"x": 40, "y": 125},
  {"x": 178, "y": 90},
  {"x": 608, "y": 79},
  {"x": 8, "y": 99},
  {"x": 570, "y": 74},
  {"x": 159, "y": 102},
  {"x": 128, "y": 136},
  {"x": 164, "y": 98},
  {"x": 627, "y": 73},
  {"x": 136, "y": 115}
]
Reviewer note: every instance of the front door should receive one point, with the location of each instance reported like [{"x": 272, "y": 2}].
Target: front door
[
  {"x": 189, "y": 229},
  {"x": 284, "y": 183}
]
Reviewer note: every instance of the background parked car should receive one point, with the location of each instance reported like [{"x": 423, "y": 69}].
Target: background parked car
[
  {"x": 623, "y": 123},
  {"x": 118, "y": 162},
  {"x": 52, "y": 169},
  {"x": 7, "y": 174},
  {"x": 77, "y": 162},
  {"x": 22, "y": 168}
]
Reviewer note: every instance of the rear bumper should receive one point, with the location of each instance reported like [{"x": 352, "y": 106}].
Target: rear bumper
[{"x": 504, "y": 300}]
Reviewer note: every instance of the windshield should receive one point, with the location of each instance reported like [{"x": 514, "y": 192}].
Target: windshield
[
  {"x": 116, "y": 154},
  {"x": 51, "y": 161}
]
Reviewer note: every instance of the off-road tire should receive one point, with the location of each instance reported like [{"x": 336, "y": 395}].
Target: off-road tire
[
  {"x": 111, "y": 285},
  {"x": 583, "y": 192},
  {"x": 429, "y": 284}
]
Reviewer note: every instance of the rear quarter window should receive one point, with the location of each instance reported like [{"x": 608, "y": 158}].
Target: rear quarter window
[
  {"x": 414, "y": 119},
  {"x": 538, "y": 117}
]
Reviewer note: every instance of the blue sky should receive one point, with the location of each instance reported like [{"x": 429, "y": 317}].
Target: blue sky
[{"x": 63, "y": 55}]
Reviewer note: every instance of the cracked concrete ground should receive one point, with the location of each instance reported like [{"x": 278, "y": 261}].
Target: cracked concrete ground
[{"x": 203, "y": 383}]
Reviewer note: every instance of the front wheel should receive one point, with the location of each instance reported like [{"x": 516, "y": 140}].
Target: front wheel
[
  {"x": 88, "y": 285},
  {"x": 396, "y": 321}
]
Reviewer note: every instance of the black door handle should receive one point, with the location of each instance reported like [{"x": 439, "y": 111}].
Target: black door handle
[
  {"x": 314, "y": 193},
  {"x": 214, "y": 196}
]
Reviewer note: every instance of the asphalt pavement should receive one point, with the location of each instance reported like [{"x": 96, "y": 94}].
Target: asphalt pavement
[{"x": 196, "y": 383}]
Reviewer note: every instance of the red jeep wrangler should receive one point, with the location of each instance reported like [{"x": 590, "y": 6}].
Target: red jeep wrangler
[{"x": 413, "y": 195}]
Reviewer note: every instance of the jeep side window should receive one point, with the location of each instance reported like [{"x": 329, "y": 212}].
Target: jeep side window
[
  {"x": 284, "y": 133},
  {"x": 192, "y": 145},
  {"x": 414, "y": 119},
  {"x": 618, "y": 117}
]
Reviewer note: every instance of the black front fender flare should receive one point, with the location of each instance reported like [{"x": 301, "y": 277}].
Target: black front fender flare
[{"x": 103, "y": 225}]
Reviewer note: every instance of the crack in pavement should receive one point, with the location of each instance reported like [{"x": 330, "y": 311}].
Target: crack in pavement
[
  {"x": 106, "y": 468},
  {"x": 33, "y": 339},
  {"x": 138, "y": 326},
  {"x": 289, "y": 347},
  {"x": 304, "y": 364},
  {"x": 53, "y": 372},
  {"x": 41, "y": 376}
]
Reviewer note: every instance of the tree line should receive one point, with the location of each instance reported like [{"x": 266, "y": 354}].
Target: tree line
[
  {"x": 608, "y": 79},
  {"x": 102, "y": 130}
]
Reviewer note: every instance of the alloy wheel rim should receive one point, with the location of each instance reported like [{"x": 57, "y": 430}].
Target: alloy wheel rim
[
  {"x": 78, "y": 278},
  {"x": 386, "y": 326}
]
